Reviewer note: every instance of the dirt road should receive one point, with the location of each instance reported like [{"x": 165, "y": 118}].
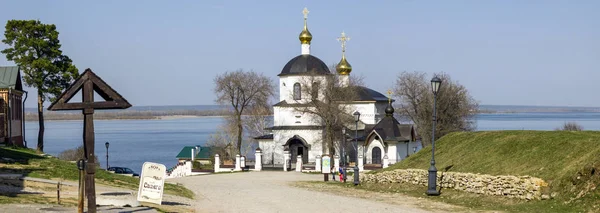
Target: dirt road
[{"x": 273, "y": 192}]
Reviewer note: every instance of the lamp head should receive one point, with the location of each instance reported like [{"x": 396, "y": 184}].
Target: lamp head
[
  {"x": 435, "y": 84},
  {"x": 106, "y": 144},
  {"x": 356, "y": 116}
]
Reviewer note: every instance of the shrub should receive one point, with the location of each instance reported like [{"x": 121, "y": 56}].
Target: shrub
[
  {"x": 570, "y": 126},
  {"x": 74, "y": 154}
]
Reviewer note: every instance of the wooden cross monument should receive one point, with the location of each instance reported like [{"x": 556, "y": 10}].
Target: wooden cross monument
[{"x": 87, "y": 83}]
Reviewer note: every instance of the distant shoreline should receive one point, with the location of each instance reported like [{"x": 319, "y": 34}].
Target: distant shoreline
[
  {"x": 164, "y": 117},
  {"x": 168, "y": 115}
]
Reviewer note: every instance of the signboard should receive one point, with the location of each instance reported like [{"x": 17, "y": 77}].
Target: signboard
[
  {"x": 326, "y": 164},
  {"x": 152, "y": 182}
]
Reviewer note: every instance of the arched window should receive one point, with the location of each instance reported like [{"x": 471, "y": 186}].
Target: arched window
[{"x": 297, "y": 91}]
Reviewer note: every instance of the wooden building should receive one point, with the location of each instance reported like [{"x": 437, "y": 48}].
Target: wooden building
[{"x": 11, "y": 106}]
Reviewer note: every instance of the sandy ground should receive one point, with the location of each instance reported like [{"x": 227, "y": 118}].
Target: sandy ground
[
  {"x": 69, "y": 191},
  {"x": 278, "y": 192}
]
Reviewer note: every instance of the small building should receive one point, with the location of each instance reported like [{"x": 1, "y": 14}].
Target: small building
[
  {"x": 201, "y": 154},
  {"x": 11, "y": 106},
  {"x": 388, "y": 138}
]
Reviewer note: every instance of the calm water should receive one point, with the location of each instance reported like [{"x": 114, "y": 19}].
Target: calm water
[{"x": 133, "y": 142}]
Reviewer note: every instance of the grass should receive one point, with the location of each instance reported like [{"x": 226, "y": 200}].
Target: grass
[
  {"x": 568, "y": 160},
  {"x": 36, "y": 199},
  {"x": 30, "y": 164}
]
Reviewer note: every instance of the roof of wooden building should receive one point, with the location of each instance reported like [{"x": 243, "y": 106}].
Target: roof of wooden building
[{"x": 10, "y": 77}]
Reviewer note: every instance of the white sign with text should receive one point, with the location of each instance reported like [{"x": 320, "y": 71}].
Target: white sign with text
[
  {"x": 152, "y": 182},
  {"x": 326, "y": 164}
]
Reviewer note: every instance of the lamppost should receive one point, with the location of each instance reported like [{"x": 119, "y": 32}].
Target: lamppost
[
  {"x": 432, "y": 186},
  {"x": 356, "y": 119},
  {"x": 343, "y": 142},
  {"x": 106, "y": 144}
]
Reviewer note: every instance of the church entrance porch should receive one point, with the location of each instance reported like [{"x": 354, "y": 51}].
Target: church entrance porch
[{"x": 297, "y": 146}]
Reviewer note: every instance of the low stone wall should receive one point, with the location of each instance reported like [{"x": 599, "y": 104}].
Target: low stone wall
[{"x": 523, "y": 187}]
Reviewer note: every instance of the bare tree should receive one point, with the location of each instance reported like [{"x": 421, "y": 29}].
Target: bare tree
[
  {"x": 220, "y": 141},
  {"x": 328, "y": 103},
  {"x": 257, "y": 120},
  {"x": 243, "y": 90},
  {"x": 455, "y": 106},
  {"x": 570, "y": 126}
]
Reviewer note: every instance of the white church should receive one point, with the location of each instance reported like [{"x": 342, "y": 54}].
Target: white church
[{"x": 300, "y": 134}]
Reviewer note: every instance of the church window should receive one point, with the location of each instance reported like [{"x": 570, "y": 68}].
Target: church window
[{"x": 297, "y": 91}]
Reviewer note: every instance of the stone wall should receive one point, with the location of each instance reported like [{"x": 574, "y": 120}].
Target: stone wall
[{"x": 523, "y": 187}]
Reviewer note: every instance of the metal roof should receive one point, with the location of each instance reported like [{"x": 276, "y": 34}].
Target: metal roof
[
  {"x": 186, "y": 153},
  {"x": 389, "y": 129},
  {"x": 367, "y": 94},
  {"x": 9, "y": 77},
  {"x": 304, "y": 64}
]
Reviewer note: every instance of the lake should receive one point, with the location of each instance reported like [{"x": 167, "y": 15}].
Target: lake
[{"x": 133, "y": 142}]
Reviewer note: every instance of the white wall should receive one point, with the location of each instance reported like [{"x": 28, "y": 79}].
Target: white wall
[
  {"x": 280, "y": 137},
  {"x": 286, "y": 87},
  {"x": 402, "y": 152},
  {"x": 288, "y": 116},
  {"x": 367, "y": 111}
]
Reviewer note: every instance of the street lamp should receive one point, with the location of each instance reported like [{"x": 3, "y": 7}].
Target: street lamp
[
  {"x": 106, "y": 144},
  {"x": 432, "y": 186},
  {"x": 356, "y": 119},
  {"x": 343, "y": 142}
]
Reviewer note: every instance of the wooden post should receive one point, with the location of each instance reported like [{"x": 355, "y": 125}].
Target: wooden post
[
  {"x": 88, "y": 138},
  {"x": 81, "y": 192},
  {"x": 58, "y": 193},
  {"x": 88, "y": 82}
]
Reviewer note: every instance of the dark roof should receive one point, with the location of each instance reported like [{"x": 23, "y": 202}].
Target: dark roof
[
  {"x": 303, "y": 64},
  {"x": 286, "y": 104},
  {"x": 10, "y": 77},
  {"x": 367, "y": 94},
  {"x": 389, "y": 129},
  {"x": 186, "y": 153},
  {"x": 264, "y": 137},
  {"x": 294, "y": 128}
]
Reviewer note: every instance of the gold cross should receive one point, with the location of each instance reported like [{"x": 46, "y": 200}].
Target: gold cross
[
  {"x": 305, "y": 12},
  {"x": 389, "y": 92},
  {"x": 343, "y": 39}
]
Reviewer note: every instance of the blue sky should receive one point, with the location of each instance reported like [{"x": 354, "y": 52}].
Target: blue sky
[{"x": 168, "y": 52}]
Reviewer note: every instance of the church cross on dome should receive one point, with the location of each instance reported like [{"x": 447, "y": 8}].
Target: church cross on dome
[
  {"x": 343, "y": 39},
  {"x": 305, "y": 12},
  {"x": 389, "y": 92}
]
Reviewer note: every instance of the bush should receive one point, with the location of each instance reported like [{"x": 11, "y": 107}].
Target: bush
[
  {"x": 74, "y": 154},
  {"x": 570, "y": 126}
]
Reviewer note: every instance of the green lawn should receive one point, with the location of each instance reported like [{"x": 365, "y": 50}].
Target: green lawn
[
  {"x": 33, "y": 165},
  {"x": 568, "y": 160}
]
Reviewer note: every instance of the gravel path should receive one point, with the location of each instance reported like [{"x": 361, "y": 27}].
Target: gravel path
[{"x": 270, "y": 191}]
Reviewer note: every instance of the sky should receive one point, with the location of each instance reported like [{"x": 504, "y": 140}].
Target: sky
[{"x": 505, "y": 52}]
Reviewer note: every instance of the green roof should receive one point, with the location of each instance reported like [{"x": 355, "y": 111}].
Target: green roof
[
  {"x": 10, "y": 77},
  {"x": 186, "y": 153}
]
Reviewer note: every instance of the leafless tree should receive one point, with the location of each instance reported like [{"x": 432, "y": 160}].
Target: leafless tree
[
  {"x": 455, "y": 107},
  {"x": 570, "y": 126},
  {"x": 221, "y": 140},
  {"x": 328, "y": 103},
  {"x": 257, "y": 120},
  {"x": 243, "y": 90}
]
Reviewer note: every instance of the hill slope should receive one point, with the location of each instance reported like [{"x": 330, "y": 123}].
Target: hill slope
[{"x": 568, "y": 161}]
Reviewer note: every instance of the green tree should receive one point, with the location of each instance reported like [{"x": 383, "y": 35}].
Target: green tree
[{"x": 35, "y": 48}]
